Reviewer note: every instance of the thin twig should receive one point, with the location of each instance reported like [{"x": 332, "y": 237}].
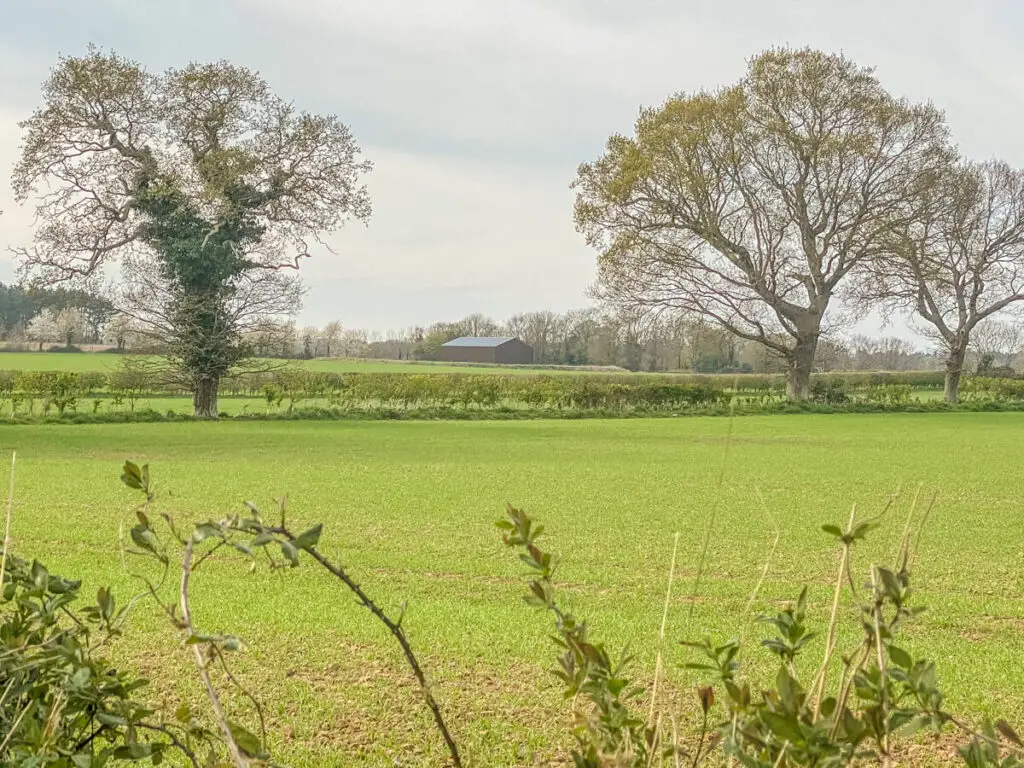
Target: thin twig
[
  {"x": 767, "y": 562},
  {"x": 398, "y": 633},
  {"x": 846, "y": 684},
  {"x": 782, "y": 753},
  {"x": 204, "y": 673},
  {"x": 700, "y": 742},
  {"x": 920, "y": 529},
  {"x": 978, "y": 735},
  {"x": 7, "y": 526},
  {"x": 905, "y": 538},
  {"x": 14, "y": 727},
  {"x": 883, "y": 685},
  {"x": 245, "y": 692},
  {"x": 178, "y": 743},
  {"x": 830, "y": 642},
  {"x": 659, "y": 663},
  {"x": 711, "y": 522},
  {"x": 675, "y": 743}
]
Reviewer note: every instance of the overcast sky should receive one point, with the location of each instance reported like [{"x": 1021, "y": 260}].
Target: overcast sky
[{"x": 476, "y": 113}]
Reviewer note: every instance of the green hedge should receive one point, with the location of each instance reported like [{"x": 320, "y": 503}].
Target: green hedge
[
  {"x": 286, "y": 389},
  {"x": 317, "y": 413},
  {"x": 1004, "y": 390}
]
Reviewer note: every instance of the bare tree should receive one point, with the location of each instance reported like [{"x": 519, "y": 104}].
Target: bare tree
[
  {"x": 199, "y": 175},
  {"x": 70, "y": 324},
  {"x": 123, "y": 332},
  {"x": 959, "y": 261},
  {"x": 353, "y": 343},
  {"x": 751, "y": 205},
  {"x": 330, "y": 338},
  {"x": 1002, "y": 341},
  {"x": 310, "y": 341},
  {"x": 479, "y": 325}
]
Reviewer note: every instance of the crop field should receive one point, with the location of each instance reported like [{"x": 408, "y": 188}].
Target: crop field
[{"x": 409, "y": 508}]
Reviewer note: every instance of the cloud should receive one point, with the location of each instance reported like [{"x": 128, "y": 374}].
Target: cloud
[
  {"x": 477, "y": 113},
  {"x": 449, "y": 237}
]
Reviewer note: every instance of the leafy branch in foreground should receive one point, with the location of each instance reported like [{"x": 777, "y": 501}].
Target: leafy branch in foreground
[
  {"x": 63, "y": 704},
  {"x": 883, "y": 691},
  {"x": 256, "y": 539},
  {"x": 610, "y": 732}
]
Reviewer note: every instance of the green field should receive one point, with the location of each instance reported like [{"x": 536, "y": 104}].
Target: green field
[{"x": 409, "y": 508}]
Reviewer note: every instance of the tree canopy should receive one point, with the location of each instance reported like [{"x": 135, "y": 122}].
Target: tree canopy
[
  {"x": 750, "y": 205},
  {"x": 207, "y": 187},
  {"x": 959, "y": 260}
]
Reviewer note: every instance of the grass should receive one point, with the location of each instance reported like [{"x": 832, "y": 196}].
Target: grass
[{"x": 409, "y": 508}]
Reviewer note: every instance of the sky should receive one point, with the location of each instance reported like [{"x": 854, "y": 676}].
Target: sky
[{"x": 476, "y": 113}]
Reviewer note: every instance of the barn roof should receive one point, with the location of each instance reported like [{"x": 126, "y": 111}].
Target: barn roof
[{"x": 479, "y": 341}]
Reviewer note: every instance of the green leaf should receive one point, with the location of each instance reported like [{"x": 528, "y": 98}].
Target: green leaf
[
  {"x": 40, "y": 576},
  {"x": 207, "y": 531},
  {"x": 131, "y": 475},
  {"x": 889, "y": 581},
  {"x": 183, "y": 714},
  {"x": 262, "y": 539},
  {"x": 309, "y": 538},
  {"x": 59, "y": 586},
  {"x": 145, "y": 538},
  {"x": 108, "y": 718},
  {"x": 291, "y": 554},
  {"x": 784, "y": 728},
  {"x": 789, "y": 690},
  {"x": 81, "y": 677},
  {"x": 833, "y": 530},
  {"x": 900, "y": 657},
  {"x": 828, "y": 706},
  {"x": 242, "y": 547},
  {"x": 248, "y": 742},
  {"x": 862, "y": 530},
  {"x": 133, "y": 751}
]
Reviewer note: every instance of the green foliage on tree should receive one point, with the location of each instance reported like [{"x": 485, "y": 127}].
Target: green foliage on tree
[
  {"x": 206, "y": 186},
  {"x": 751, "y": 206}
]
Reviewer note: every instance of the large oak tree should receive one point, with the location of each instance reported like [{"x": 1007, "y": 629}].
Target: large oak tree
[
  {"x": 208, "y": 188},
  {"x": 750, "y": 205},
  {"x": 959, "y": 261}
]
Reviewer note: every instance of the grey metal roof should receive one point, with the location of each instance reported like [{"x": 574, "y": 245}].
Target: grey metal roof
[{"x": 479, "y": 341}]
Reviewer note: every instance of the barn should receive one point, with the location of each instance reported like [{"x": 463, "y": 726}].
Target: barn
[{"x": 503, "y": 350}]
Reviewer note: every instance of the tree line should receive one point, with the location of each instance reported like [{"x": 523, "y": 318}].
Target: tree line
[
  {"x": 775, "y": 209},
  {"x": 58, "y": 314},
  {"x": 758, "y": 206},
  {"x": 594, "y": 337}
]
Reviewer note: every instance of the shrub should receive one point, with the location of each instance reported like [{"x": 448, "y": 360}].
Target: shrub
[
  {"x": 1002, "y": 389},
  {"x": 883, "y": 691},
  {"x": 65, "y": 348},
  {"x": 256, "y": 538},
  {"x": 64, "y": 704}
]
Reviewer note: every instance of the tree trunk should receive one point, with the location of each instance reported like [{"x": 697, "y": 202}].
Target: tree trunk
[
  {"x": 954, "y": 369},
  {"x": 800, "y": 362},
  {"x": 204, "y": 399}
]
